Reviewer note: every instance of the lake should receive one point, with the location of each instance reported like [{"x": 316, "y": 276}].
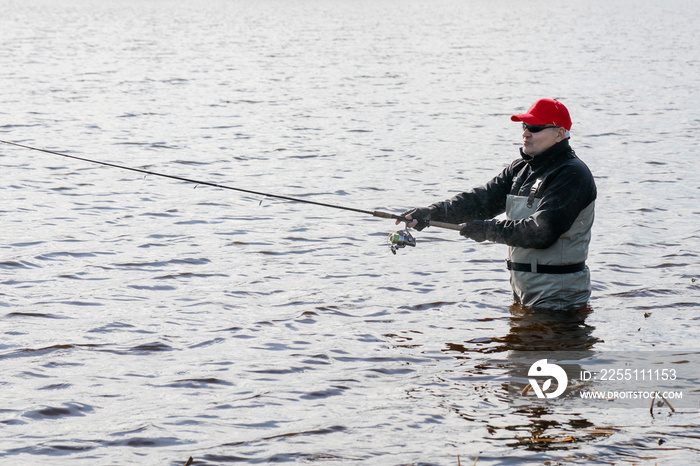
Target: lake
[{"x": 147, "y": 320}]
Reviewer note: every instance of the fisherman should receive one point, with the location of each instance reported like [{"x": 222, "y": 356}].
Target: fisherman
[{"x": 548, "y": 196}]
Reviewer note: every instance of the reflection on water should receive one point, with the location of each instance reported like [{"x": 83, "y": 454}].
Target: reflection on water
[
  {"x": 535, "y": 335},
  {"x": 544, "y": 330},
  {"x": 537, "y": 330}
]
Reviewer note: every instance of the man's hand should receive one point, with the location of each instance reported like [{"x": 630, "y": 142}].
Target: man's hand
[
  {"x": 475, "y": 229},
  {"x": 419, "y": 217}
]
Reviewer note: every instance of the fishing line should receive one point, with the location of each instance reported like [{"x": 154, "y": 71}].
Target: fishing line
[
  {"x": 207, "y": 183},
  {"x": 396, "y": 240}
]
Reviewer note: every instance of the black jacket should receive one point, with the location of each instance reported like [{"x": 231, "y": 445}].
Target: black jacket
[{"x": 566, "y": 188}]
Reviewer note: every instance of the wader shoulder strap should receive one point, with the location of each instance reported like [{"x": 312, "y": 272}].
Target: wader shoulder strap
[{"x": 533, "y": 192}]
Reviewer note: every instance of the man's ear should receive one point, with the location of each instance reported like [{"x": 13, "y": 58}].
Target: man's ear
[{"x": 561, "y": 134}]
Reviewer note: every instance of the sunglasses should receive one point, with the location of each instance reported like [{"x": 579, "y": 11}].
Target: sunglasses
[{"x": 537, "y": 128}]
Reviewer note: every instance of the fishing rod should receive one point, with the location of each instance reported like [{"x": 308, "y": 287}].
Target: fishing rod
[{"x": 396, "y": 240}]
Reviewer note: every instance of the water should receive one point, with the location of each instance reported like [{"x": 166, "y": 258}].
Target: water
[{"x": 145, "y": 321}]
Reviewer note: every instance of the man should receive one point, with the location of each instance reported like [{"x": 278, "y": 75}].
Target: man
[{"x": 548, "y": 197}]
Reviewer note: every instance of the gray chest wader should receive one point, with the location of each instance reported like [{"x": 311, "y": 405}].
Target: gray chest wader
[{"x": 556, "y": 277}]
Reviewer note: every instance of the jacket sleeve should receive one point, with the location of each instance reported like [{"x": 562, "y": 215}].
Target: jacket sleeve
[
  {"x": 480, "y": 203},
  {"x": 564, "y": 196}
]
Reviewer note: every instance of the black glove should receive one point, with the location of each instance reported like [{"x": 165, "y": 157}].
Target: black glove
[
  {"x": 475, "y": 229},
  {"x": 421, "y": 214}
]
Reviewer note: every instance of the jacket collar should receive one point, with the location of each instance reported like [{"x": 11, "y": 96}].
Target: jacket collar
[{"x": 544, "y": 158}]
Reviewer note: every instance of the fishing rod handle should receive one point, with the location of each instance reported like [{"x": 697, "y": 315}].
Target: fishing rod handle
[
  {"x": 448, "y": 226},
  {"x": 381, "y": 214}
]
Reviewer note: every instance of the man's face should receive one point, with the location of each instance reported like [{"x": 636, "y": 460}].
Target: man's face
[{"x": 535, "y": 142}]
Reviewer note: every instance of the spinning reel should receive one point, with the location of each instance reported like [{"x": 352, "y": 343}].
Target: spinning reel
[{"x": 400, "y": 239}]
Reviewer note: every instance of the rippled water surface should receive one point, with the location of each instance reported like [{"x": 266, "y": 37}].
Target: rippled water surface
[{"x": 146, "y": 320}]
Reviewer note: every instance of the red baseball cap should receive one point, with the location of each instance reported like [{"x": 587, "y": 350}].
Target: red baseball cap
[{"x": 546, "y": 112}]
